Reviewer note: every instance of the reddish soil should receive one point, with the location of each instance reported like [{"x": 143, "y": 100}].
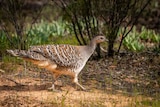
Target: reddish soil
[{"x": 125, "y": 81}]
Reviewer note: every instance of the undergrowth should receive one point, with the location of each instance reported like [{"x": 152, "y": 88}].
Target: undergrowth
[{"x": 141, "y": 41}]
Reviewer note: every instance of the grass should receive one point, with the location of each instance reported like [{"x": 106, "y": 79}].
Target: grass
[
  {"x": 61, "y": 32},
  {"x": 65, "y": 40},
  {"x": 140, "y": 41},
  {"x": 101, "y": 99},
  {"x": 95, "y": 98},
  {"x": 148, "y": 103}
]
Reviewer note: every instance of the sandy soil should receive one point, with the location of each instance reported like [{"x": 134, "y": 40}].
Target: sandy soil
[{"x": 125, "y": 82}]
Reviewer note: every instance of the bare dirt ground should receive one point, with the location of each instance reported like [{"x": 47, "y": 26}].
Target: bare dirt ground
[{"x": 130, "y": 80}]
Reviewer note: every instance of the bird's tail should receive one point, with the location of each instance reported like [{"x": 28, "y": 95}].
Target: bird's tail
[
  {"x": 19, "y": 53},
  {"x": 33, "y": 57},
  {"x": 27, "y": 54}
]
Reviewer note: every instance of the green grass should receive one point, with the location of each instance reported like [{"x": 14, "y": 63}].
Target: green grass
[
  {"x": 44, "y": 32},
  {"x": 65, "y": 40},
  {"x": 137, "y": 41},
  {"x": 148, "y": 103}
]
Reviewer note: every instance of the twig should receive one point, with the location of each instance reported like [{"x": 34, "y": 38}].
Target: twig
[
  {"x": 1, "y": 70},
  {"x": 102, "y": 49},
  {"x": 135, "y": 20},
  {"x": 13, "y": 81},
  {"x": 35, "y": 19}
]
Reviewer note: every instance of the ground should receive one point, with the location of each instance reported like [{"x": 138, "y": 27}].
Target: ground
[{"x": 128, "y": 80}]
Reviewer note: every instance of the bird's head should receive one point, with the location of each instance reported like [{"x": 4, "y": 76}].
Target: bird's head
[{"x": 100, "y": 39}]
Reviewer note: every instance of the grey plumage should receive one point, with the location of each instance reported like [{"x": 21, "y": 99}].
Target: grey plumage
[{"x": 60, "y": 59}]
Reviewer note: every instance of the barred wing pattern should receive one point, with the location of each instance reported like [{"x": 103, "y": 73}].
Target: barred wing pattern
[
  {"x": 60, "y": 59},
  {"x": 63, "y": 55}
]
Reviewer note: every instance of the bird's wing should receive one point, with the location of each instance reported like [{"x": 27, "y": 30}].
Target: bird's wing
[{"x": 63, "y": 55}]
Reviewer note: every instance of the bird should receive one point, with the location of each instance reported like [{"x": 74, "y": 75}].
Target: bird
[{"x": 60, "y": 59}]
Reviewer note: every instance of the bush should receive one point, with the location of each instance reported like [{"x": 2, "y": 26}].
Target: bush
[
  {"x": 43, "y": 32},
  {"x": 4, "y": 44},
  {"x": 139, "y": 41}
]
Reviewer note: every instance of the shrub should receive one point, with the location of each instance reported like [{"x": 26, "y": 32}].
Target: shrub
[
  {"x": 42, "y": 32},
  {"x": 138, "y": 41},
  {"x": 4, "y": 44}
]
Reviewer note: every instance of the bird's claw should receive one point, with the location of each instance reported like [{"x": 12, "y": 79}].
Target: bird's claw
[{"x": 53, "y": 89}]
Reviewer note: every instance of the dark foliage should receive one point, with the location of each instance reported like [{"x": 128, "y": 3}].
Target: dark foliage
[{"x": 91, "y": 13}]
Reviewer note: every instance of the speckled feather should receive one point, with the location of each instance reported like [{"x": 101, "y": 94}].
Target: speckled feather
[
  {"x": 63, "y": 55},
  {"x": 60, "y": 59}
]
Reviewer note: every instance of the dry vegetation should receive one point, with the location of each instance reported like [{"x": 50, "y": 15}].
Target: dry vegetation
[
  {"x": 131, "y": 80},
  {"x": 128, "y": 80}
]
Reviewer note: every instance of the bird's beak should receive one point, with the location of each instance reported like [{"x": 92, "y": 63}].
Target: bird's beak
[{"x": 106, "y": 40}]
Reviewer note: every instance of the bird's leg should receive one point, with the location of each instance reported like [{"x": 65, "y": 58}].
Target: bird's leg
[
  {"x": 52, "y": 87},
  {"x": 55, "y": 76},
  {"x": 77, "y": 83}
]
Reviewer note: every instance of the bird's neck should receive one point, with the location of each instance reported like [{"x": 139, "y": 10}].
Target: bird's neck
[
  {"x": 92, "y": 46},
  {"x": 89, "y": 49}
]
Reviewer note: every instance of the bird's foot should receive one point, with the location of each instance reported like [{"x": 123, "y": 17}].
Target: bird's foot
[
  {"x": 83, "y": 89},
  {"x": 86, "y": 90},
  {"x": 53, "y": 89}
]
